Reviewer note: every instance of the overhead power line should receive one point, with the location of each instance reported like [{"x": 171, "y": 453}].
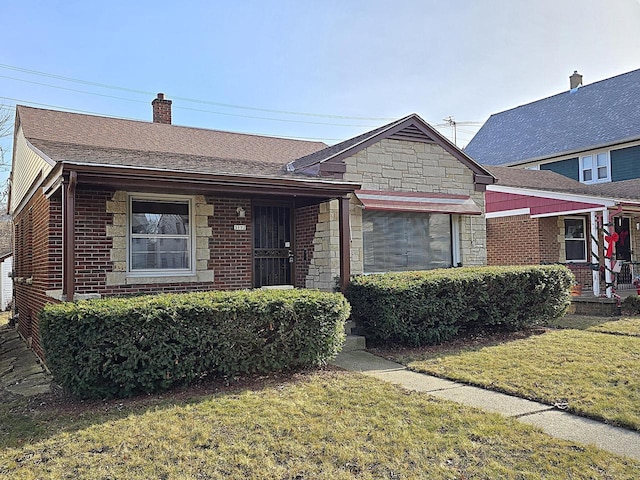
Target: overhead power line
[
  {"x": 188, "y": 108},
  {"x": 192, "y": 100},
  {"x": 86, "y": 112}
]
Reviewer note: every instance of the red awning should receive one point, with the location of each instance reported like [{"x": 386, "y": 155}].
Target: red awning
[{"x": 418, "y": 202}]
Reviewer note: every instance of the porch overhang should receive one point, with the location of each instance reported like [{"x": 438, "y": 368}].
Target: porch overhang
[
  {"x": 418, "y": 202},
  {"x": 175, "y": 181},
  {"x": 67, "y": 176}
]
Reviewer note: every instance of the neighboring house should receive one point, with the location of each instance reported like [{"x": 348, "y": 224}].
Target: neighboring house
[
  {"x": 590, "y": 133},
  {"x": 105, "y": 206},
  {"x": 6, "y": 282},
  {"x": 538, "y": 217},
  {"x": 6, "y": 262}
]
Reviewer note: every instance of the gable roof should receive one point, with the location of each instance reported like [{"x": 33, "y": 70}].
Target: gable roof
[
  {"x": 82, "y": 138},
  {"x": 593, "y": 116},
  {"x": 546, "y": 180},
  {"x": 411, "y": 128}
]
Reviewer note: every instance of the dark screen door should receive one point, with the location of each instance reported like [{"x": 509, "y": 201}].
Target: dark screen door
[{"x": 272, "y": 246}]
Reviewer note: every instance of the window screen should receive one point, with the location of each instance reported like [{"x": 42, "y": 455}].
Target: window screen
[{"x": 400, "y": 241}]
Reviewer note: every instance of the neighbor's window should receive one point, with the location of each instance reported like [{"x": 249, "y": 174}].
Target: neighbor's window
[
  {"x": 159, "y": 235},
  {"x": 595, "y": 168},
  {"x": 575, "y": 241},
  {"x": 401, "y": 241}
]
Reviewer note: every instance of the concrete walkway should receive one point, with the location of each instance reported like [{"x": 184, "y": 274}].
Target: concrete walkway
[
  {"x": 21, "y": 375},
  {"x": 552, "y": 421}
]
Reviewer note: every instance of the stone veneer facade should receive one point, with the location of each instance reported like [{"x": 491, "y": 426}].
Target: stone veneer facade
[{"x": 395, "y": 165}]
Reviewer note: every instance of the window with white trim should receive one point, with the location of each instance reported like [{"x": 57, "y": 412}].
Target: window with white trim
[
  {"x": 160, "y": 235},
  {"x": 595, "y": 168},
  {"x": 575, "y": 240},
  {"x": 401, "y": 241}
]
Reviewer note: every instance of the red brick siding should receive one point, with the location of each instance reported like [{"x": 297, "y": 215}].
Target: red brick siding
[
  {"x": 583, "y": 274},
  {"x": 306, "y": 220},
  {"x": 41, "y": 251},
  {"x": 231, "y": 250},
  {"x": 93, "y": 247},
  {"x": 36, "y": 245},
  {"x": 548, "y": 240},
  {"x": 513, "y": 241}
]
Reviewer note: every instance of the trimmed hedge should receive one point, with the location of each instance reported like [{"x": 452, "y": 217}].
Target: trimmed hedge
[
  {"x": 122, "y": 346},
  {"x": 631, "y": 305},
  {"x": 428, "y": 307}
]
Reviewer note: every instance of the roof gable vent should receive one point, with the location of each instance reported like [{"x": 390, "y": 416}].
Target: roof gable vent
[{"x": 413, "y": 134}]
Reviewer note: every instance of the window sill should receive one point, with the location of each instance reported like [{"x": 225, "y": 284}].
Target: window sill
[{"x": 122, "y": 278}]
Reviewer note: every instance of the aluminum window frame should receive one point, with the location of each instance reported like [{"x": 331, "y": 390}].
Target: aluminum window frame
[{"x": 191, "y": 243}]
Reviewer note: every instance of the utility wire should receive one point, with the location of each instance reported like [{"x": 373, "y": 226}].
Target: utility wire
[
  {"x": 188, "y": 108},
  {"x": 187, "y": 99},
  {"x": 86, "y": 112}
]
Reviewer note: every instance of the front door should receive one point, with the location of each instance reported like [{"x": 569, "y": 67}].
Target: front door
[{"x": 272, "y": 246}]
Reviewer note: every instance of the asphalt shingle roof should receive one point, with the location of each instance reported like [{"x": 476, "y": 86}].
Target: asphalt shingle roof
[
  {"x": 546, "y": 180},
  {"x": 598, "y": 114},
  {"x": 113, "y": 141}
]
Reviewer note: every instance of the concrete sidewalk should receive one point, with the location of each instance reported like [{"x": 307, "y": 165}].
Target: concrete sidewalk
[
  {"x": 551, "y": 420},
  {"x": 21, "y": 375}
]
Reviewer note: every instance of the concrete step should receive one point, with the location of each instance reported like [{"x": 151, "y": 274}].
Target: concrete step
[
  {"x": 354, "y": 343},
  {"x": 348, "y": 326}
]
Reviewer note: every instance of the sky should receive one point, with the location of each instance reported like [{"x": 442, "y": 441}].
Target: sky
[{"x": 323, "y": 70}]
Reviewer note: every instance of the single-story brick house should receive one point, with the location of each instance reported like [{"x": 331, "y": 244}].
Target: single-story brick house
[
  {"x": 539, "y": 216},
  {"x": 105, "y": 206}
]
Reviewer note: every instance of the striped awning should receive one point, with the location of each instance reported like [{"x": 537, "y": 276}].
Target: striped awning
[{"x": 418, "y": 202}]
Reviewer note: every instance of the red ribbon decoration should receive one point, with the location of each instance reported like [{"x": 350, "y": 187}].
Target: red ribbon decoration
[{"x": 611, "y": 241}]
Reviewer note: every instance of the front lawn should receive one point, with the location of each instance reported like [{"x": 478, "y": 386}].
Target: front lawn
[
  {"x": 624, "y": 326},
  {"x": 590, "y": 373},
  {"x": 324, "y": 425}
]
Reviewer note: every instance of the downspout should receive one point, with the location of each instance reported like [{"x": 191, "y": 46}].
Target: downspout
[
  {"x": 68, "y": 235},
  {"x": 595, "y": 260},
  {"x": 345, "y": 243}
]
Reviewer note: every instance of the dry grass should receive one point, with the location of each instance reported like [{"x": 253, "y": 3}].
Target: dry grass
[
  {"x": 325, "y": 425},
  {"x": 595, "y": 374},
  {"x": 624, "y": 326}
]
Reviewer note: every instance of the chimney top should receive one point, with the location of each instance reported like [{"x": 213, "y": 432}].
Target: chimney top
[
  {"x": 575, "y": 80},
  {"x": 161, "y": 110}
]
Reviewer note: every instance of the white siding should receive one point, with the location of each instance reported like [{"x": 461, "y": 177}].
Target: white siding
[
  {"x": 27, "y": 165},
  {"x": 6, "y": 283}
]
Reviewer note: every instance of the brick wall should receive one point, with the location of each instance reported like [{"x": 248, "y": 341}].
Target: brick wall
[
  {"x": 549, "y": 237},
  {"x": 40, "y": 241},
  {"x": 513, "y": 241},
  {"x": 93, "y": 247},
  {"x": 231, "y": 250},
  {"x": 306, "y": 219}
]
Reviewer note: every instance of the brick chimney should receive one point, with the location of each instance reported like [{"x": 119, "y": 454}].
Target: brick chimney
[
  {"x": 161, "y": 110},
  {"x": 575, "y": 80}
]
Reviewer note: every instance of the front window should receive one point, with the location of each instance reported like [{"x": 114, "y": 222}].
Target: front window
[
  {"x": 595, "y": 168},
  {"x": 160, "y": 235},
  {"x": 401, "y": 241},
  {"x": 575, "y": 241}
]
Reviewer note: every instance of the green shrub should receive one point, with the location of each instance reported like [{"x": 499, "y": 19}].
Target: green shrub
[
  {"x": 631, "y": 305},
  {"x": 427, "y": 307},
  {"x": 121, "y": 346}
]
